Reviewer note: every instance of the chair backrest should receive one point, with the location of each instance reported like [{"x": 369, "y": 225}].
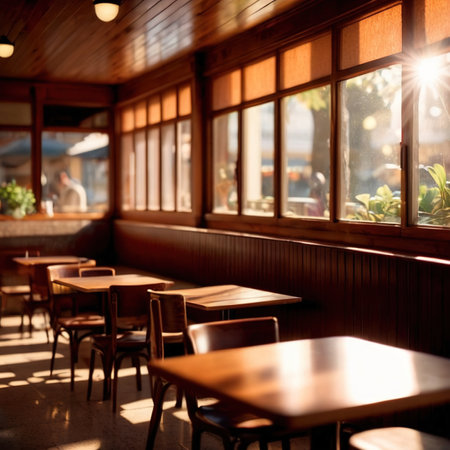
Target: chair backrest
[
  {"x": 61, "y": 296},
  {"x": 167, "y": 317},
  {"x": 210, "y": 336},
  {"x": 64, "y": 271},
  {"x": 128, "y": 307},
  {"x": 97, "y": 271}
]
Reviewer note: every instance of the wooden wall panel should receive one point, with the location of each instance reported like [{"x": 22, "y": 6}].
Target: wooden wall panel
[{"x": 392, "y": 299}]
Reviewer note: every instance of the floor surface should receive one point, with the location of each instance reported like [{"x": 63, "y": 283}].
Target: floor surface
[{"x": 38, "y": 411}]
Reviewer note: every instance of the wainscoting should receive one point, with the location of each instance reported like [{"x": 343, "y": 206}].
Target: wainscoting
[{"x": 394, "y": 299}]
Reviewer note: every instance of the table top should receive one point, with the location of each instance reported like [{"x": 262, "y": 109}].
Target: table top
[
  {"x": 230, "y": 296},
  {"x": 314, "y": 382},
  {"x": 102, "y": 283},
  {"x": 57, "y": 259}
]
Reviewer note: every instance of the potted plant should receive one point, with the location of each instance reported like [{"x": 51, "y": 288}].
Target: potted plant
[{"x": 17, "y": 201}]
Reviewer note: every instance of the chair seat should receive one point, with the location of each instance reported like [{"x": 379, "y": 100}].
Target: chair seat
[
  {"x": 20, "y": 289},
  {"x": 233, "y": 419},
  {"x": 397, "y": 438},
  {"x": 81, "y": 321},
  {"x": 129, "y": 339}
]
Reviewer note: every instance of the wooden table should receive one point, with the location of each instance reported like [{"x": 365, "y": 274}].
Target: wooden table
[
  {"x": 314, "y": 382},
  {"x": 102, "y": 283},
  {"x": 49, "y": 260},
  {"x": 228, "y": 297}
]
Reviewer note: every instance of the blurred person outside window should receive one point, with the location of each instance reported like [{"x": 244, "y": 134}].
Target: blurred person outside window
[{"x": 71, "y": 194}]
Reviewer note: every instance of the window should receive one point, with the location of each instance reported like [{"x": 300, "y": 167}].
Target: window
[
  {"x": 15, "y": 157},
  {"x": 432, "y": 173},
  {"x": 156, "y": 152},
  {"x": 370, "y": 135},
  {"x": 75, "y": 174},
  {"x": 294, "y": 136}
]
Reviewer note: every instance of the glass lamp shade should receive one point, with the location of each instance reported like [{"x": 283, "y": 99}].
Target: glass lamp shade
[
  {"x": 6, "y": 47},
  {"x": 106, "y": 10}
]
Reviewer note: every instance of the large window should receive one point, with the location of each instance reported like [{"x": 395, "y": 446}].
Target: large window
[
  {"x": 349, "y": 132},
  {"x": 156, "y": 152}
]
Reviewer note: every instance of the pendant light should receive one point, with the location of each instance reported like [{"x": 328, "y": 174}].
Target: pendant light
[
  {"x": 6, "y": 47},
  {"x": 106, "y": 10}
]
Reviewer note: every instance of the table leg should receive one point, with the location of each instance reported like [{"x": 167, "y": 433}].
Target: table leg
[{"x": 325, "y": 437}]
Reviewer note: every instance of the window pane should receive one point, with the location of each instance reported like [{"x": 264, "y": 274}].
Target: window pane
[
  {"x": 127, "y": 119},
  {"x": 153, "y": 169},
  {"x": 141, "y": 188},
  {"x": 306, "y": 153},
  {"x": 184, "y": 166},
  {"x": 370, "y": 132},
  {"x": 75, "y": 171},
  {"x": 372, "y": 38},
  {"x": 15, "y": 157},
  {"x": 258, "y": 159},
  {"x": 434, "y": 142},
  {"x": 154, "y": 110},
  {"x": 306, "y": 62},
  {"x": 225, "y": 151},
  {"x": 259, "y": 79},
  {"x": 184, "y": 100},
  {"x": 227, "y": 90},
  {"x": 168, "y": 168},
  {"x": 432, "y": 22},
  {"x": 127, "y": 166},
  {"x": 12, "y": 113},
  {"x": 169, "y": 105},
  {"x": 141, "y": 114}
]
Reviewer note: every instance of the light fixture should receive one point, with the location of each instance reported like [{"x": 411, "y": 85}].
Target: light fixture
[
  {"x": 106, "y": 10},
  {"x": 6, "y": 47}
]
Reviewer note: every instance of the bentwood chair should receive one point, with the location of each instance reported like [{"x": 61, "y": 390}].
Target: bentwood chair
[
  {"x": 75, "y": 313},
  {"x": 397, "y": 438},
  {"x": 127, "y": 335},
  {"x": 20, "y": 288},
  {"x": 97, "y": 271},
  {"x": 38, "y": 299},
  {"x": 168, "y": 320},
  {"x": 232, "y": 425}
]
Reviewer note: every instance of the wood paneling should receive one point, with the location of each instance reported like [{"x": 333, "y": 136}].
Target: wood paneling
[
  {"x": 60, "y": 40},
  {"x": 389, "y": 298}
]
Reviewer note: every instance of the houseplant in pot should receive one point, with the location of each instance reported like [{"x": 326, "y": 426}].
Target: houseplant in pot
[{"x": 16, "y": 201}]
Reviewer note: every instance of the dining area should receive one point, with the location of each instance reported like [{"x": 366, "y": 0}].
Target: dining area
[{"x": 143, "y": 362}]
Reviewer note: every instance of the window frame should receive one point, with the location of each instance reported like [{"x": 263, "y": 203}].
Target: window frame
[{"x": 334, "y": 228}]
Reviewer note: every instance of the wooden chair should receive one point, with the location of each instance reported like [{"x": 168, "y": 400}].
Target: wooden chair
[
  {"x": 38, "y": 299},
  {"x": 75, "y": 313},
  {"x": 397, "y": 438},
  {"x": 233, "y": 426},
  {"x": 97, "y": 271},
  {"x": 17, "y": 291},
  {"x": 168, "y": 320},
  {"x": 127, "y": 335}
]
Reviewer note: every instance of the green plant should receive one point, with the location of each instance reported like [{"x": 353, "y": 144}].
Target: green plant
[
  {"x": 17, "y": 201},
  {"x": 434, "y": 202},
  {"x": 384, "y": 206}
]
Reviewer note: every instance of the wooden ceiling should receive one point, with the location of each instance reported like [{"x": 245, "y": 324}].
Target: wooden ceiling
[{"x": 62, "y": 40}]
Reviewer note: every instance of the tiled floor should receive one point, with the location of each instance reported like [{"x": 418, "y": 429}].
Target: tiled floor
[{"x": 39, "y": 412}]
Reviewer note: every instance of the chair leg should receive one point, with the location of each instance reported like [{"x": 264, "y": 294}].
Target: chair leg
[
  {"x": 160, "y": 388},
  {"x": 114, "y": 384},
  {"x": 179, "y": 402},
  {"x": 136, "y": 363},
  {"x": 107, "y": 370},
  {"x": 285, "y": 444},
  {"x": 196, "y": 439},
  {"x": 91, "y": 373},
  {"x": 55, "y": 343},
  {"x": 72, "y": 344}
]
